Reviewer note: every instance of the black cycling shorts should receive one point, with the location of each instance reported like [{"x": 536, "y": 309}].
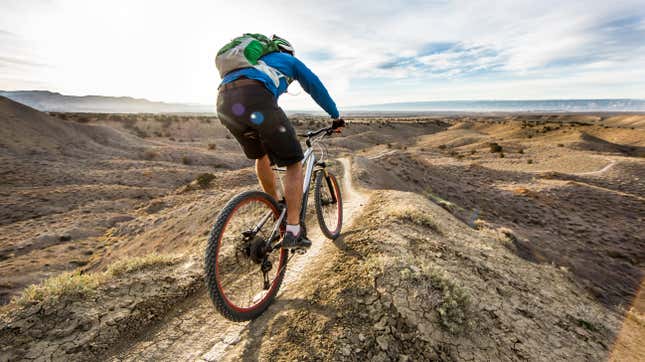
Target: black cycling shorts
[{"x": 251, "y": 114}]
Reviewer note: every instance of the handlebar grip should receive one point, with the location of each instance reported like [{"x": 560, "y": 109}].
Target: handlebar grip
[{"x": 337, "y": 123}]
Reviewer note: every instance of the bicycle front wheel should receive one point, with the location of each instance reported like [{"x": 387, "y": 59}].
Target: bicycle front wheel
[
  {"x": 329, "y": 204},
  {"x": 243, "y": 277}
]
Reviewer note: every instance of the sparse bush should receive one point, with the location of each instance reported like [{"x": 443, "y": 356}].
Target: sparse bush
[
  {"x": 450, "y": 301},
  {"x": 204, "y": 180},
  {"x": 521, "y": 151},
  {"x": 186, "y": 160},
  {"x": 529, "y": 161},
  {"x": 212, "y": 146},
  {"x": 501, "y": 155},
  {"x": 442, "y": 147},
  {"x": 560, "y": 145},
  {"x": 495, "y": 147},
  {"x": 150, "y": 155},
  {"x": 228, "y": 136},
  {"x": 472, "y": 152}
]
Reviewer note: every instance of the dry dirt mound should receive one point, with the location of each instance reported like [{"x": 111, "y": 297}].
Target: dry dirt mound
[
  {"x": 26, "y": 131},
  {"x": 626, "y": 121},
  {"x": 408, "y": 279},
  {"x": 590, "y": 142},
  {"x": 412, "y": 283},
  {"x": 84, "y": 315}
]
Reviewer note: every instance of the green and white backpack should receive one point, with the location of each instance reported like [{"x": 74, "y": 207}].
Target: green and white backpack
[{"x": 244, "y": 52}]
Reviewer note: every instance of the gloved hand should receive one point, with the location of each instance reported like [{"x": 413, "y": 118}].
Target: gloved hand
[{"x": 337, "y": 124}]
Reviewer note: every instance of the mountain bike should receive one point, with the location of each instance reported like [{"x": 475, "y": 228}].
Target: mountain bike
[{"x": 245, "y": 264}]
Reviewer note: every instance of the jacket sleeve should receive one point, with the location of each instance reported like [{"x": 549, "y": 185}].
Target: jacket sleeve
[{"x": 312, "y": 85}]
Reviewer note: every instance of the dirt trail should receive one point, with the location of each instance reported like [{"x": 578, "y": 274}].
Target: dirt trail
[
  {"x": 599, "y": 172},
  {"x": 195, "y": 331}
]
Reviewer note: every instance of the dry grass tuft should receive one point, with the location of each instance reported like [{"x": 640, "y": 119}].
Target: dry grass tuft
[
  {"x": 77, "y": 285},
  {"x": 415, "y": 216},
  {"x": 67, "y": 284},
  {"x": 140, "y": 263}
]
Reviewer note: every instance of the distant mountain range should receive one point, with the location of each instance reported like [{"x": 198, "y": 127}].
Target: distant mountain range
[
  {"x": 549, "y": 105},
  {"x": 56, "y": 102}
]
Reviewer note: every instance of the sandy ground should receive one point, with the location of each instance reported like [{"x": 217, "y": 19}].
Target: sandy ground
[{"x": 563, "y": 192}]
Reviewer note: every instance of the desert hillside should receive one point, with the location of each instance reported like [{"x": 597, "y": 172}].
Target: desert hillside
[{"x": 474, "y": 237}]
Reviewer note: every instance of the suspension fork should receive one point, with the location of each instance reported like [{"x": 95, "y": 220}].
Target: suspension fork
[{"x": 331, "y": 187}]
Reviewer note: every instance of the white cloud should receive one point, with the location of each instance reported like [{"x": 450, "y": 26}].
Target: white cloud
[{"x": 164, "y": 50}]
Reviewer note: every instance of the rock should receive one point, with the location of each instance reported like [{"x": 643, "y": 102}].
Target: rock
[
  {"x": 381, "y": 357},
  {"x": 382, "y": 342},
  {"x": 231, "y": 339},
  {"x": 380, "y": 325},
  {"x": 361, "y": 337},
  {"x": 119, "y": 219},
  {"x": 155, "y": 207},
  {"x": 346, "y": 351},
  {"x": 404, "y": 358}
]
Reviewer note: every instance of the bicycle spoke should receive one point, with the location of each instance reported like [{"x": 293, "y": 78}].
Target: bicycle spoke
[{"x": 240, "y": 271}]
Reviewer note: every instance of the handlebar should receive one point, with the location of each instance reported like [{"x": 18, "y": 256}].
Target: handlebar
[{"x": 310, "y": 134}]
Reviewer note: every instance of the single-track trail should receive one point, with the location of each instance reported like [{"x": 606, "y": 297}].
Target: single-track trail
[{"x": 195, "y": 331}]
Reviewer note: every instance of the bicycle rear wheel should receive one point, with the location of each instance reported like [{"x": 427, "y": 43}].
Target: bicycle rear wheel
[
  {"x": 236, "y": 257},
  {"x": 329, "y": 204}
]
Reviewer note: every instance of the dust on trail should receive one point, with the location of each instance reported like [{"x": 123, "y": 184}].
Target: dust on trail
[{"x": 194, "y": 330}]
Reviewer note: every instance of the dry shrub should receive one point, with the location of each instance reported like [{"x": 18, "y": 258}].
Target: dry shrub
[
  {"x": 204, "y": 180},
  {"x": 495, "y": 147},
  {"x": 150, "y": 155}
]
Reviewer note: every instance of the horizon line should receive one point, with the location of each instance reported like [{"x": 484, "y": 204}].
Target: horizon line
[{"x": 347, "y": 106}]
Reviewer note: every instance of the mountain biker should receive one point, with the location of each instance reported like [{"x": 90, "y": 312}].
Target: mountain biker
[{"x": 247, "y": 107}]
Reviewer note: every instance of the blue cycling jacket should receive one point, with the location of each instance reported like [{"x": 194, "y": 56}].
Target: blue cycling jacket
[{"x": 292, "y": 68}]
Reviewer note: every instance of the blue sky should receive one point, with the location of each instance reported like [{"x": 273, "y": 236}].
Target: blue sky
[{"x": 366, "y": 52}]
